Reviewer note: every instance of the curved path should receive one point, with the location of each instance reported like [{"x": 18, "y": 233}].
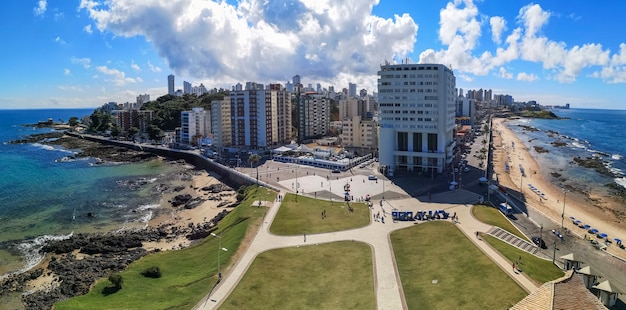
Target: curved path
[{"x": 388, "y": 287}]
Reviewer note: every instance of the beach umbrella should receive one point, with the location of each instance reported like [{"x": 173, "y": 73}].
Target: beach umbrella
[
  {"x": 602, "y": 235},
  {"x": 572, "y": 218},
  {"x": 593, "y": 230},
  {"x": 586, "y": 226},
  {"x": 577, "y": 221},
  {"x": 618, "y": 240}
]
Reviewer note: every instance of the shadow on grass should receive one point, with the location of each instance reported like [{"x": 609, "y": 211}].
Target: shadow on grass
[{"x": 110, "y": 290}]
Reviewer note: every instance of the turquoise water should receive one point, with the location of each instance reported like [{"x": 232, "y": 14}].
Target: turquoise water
[
  {"x": 586, "y": 132},
  {"x": 42, "y": 198}
]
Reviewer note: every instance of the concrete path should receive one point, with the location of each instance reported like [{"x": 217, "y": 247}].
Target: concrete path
[{"x": 388, "y": 287}]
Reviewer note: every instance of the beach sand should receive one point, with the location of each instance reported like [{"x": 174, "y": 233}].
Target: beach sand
[{"x": 589, "y": 208}]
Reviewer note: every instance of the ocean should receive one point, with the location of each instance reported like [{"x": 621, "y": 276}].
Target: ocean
[
  {"x": 584, "y": 133},
  {"x": 42, "y": 197}
]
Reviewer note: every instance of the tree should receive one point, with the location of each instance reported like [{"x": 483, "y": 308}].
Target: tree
[
  {"x": 154, "y": 133},
  {"x": 116, "y": 130},
  {"x": 254, "y": 160},
  {"x": 116, "y": 279},
  {"x": 73, "y": 122},
  {"x": 132, "y": 131}
]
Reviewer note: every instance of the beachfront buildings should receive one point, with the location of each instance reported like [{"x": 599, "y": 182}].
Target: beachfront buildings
[
  {"x": 314, "y": 115},
  {"x": 195, "y": 126},
  {"x": 260, "y": 117},
  {"x": 129, "y": 118},
  {"x": 220, "y": 122},
  {"x": 417, "y": 105}
]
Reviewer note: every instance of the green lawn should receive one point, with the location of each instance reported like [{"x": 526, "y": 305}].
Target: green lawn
[
  {"x": 187, "y": 275},
  {"x": 335, "y": 275},
  {"x": 466, "y": 278},
  {"x": 538, "y": 269},
  {"x": 305, "y": 216},
  {"x": 492, "y": 216}
]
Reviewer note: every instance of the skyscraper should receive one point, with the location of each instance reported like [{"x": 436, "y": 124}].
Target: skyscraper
[
  {"x": 416, "y": 116},
  {"x": 186, "y": 87},
  {"x": 351, "y": 90},
  {"x": 170, "y": 84}
]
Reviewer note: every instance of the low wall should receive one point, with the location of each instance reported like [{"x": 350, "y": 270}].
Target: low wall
[{"x": 229, "y": 176}]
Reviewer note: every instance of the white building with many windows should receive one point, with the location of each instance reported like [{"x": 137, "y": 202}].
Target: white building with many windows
[
  {"x": 195, "y": 125},
  {"x": 358, "y": 133},
  {"x": 416, "y": 104},
  {"x": 220, "y": 122}
]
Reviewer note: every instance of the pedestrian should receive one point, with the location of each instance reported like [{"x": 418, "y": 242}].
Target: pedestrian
[
  {"x": 477, "y": 234},
  {"x": 304, "y": 237},
  {"x": 454, "y": 217},
  {"x": 514, "y": 267}
]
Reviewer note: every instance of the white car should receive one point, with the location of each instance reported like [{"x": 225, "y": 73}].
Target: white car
[{"x": 372, "y": 177}]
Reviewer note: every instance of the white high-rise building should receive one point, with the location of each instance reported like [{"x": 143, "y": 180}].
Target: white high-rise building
[
  {"x": 416, "y": 104},
  {"x": 186, "y": 87},
  {"x": 195, "y": 126},
  {"x": 220, "y": 122},
  {"x": 170, "y": 84},
  {"x": 314, "y": 115}
]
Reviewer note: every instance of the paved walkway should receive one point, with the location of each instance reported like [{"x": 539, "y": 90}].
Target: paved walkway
[{"x": 388, "y": 286}]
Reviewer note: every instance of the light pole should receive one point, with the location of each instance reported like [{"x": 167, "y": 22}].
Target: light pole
[
  {"x": 219, "y": 249},
  {"x": 521, "y": 189},
  {"x": 296, "y": 183},
  {"x": 563, "y": 214}
]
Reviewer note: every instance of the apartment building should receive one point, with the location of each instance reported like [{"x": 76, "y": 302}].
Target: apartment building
[
  {"x": 220, "y": 122},
  {"x": 416, "y": 104},
  {"x": 314, "y": 114},
  {"x": 195, "y": 125},
  {"x": 359, "y": 133},
  {"x": 126, "y": 119}
]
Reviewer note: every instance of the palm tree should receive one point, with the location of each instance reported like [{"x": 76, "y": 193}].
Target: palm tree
[{"x": 254, "y": 160}]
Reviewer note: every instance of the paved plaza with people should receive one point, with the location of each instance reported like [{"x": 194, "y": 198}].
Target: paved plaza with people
[{"x": 388, "y": 286}]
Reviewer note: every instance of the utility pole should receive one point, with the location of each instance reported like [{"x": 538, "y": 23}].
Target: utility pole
[{"x": 563, "y": 214}]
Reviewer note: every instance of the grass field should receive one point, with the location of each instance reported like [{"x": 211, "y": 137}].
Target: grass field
[
  {"x": 305, "y": 215},
  {"x": 335, "y": 275},
  {"x": 465, "y": 277},
  {"x": 538, "y": 269},
  {"x": 187, "y": 275},
  {"x": 492, "y": 216}
]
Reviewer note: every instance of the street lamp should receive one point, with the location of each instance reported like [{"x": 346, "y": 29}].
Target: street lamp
[
  {"x": 219, "y": 249},
  {"x": 563, "y": 214},
  {"x": 521, "y": 189}
]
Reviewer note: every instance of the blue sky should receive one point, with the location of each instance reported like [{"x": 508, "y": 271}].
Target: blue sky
[{"x": 68, "y": 54}]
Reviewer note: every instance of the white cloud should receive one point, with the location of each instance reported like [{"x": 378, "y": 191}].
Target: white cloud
[
  {"x": 117, "y": 77},
  {"x": 41, "y": 7},
  {"x": 87, "y": 29},
  {"x": 504, "y": 74},
  {"x": 527, "y": 42},
  {"x": 85, "y": 62},
  {"x": 59, "y": 40},
  {"x": 262, "y": 40},
  {"x": 67, "y": 71},
  {"x": 523, "y": 76},
  {"x": 498, "y": 24},
  {"x": 153, "y": 68},
  {"x": 135, "y": 66},
  {"x": 71, "y": 88}
]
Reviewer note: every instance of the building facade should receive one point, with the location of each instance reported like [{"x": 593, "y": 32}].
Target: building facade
[
  {"x": 220, "y": 122},
  {"x": 314, "y": 114},
  {"x": 260, "y": 117},
  {"x": 359, "y": 133},
  {"x": 127, "y": 119},
  {"x": 195, "y": 126},
  {"x": 416, "y": 104}
]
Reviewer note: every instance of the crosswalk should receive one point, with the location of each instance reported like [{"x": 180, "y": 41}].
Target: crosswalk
[{"x": 513, "y": 240}]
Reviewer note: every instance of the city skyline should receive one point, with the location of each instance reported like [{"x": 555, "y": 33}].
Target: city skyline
[{"x": 84, "y": 53}]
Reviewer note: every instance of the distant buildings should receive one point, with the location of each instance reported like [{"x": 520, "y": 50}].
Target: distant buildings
[
  {"x": 170, "y": 84},
  {"x": 141, "y": 99},
  {"x": 417, "y": 117},
  {"x": 186, "y": 87},
  {"x": 351, "y": 90},
  {"x": 359, "y": 133},
  {"x": 314, "y": 116},
  {"x": 130, "y": 118}
]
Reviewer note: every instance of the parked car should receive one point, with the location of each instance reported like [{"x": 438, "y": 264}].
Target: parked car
[
  {"x": 372, "y": 177},
  {"x": 336, "y": 171},
  {"x": 539, "y": 242}
]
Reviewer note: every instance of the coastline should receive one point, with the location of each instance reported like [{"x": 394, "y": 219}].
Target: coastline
[
  {"x": 169, "y": 228},
  {"x": 596, "y": 210}
]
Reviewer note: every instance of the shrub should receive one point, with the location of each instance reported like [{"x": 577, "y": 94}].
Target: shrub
[
  {"x": 116, "y": 279},
  {"x": 152, "y": 272}
]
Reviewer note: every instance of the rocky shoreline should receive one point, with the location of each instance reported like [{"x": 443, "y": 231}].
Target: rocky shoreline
[{"x": 71, "y": 266}]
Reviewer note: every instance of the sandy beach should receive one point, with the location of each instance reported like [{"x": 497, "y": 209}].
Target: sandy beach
[{"x": 590, "y": 208}]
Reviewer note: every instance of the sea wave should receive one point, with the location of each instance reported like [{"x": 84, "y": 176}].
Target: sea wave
[
  {"x": 621, "y": 181},
  {"x": 616, "y": 157},
  {"x": 52, "y": 148},
  {"x": 148, "y": 207},
  {"x": 30, "y": 251}
]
